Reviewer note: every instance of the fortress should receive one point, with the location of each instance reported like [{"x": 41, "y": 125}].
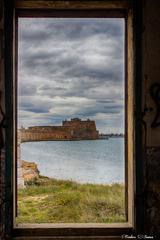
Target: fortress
[{"x": 75, "y": 129}]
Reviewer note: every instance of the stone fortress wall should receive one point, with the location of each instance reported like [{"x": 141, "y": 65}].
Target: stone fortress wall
[{"x": 75, "y": 129}]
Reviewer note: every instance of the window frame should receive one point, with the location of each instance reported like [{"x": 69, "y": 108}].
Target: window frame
[{"x": 49, "y": 8}]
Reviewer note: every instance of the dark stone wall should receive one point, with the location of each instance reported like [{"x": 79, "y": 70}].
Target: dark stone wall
[
  {"x": 152, "y": 215},
  {"x": 2, "y": 140},
  {"x": 150, "y": 63}
]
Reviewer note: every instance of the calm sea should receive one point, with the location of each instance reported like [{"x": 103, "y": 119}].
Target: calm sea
[{"x": 90, "y": 161}]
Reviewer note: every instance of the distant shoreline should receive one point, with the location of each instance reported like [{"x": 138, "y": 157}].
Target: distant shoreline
[{"x": 73, "y": 140}]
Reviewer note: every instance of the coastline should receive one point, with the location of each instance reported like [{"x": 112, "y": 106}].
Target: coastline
[
  {"x": 31, "y": 174},
  {"x": 98, "y": 161}
]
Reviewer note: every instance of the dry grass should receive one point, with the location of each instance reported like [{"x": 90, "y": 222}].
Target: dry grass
[{"x": 57, "y": 201}]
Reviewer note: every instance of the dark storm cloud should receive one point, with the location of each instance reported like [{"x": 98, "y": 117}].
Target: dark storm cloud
[
  {"x": 70, "y": 68},
  {"x": 74, "y": 65},
  {"x": 105, "y": 110},
  {"x": 106, "y": 101},
  {"x": 33, "y": 36},
  {"x": 35, "y": 108},
  {"x": 27, "y": 89},
  {"x": 33, "y": 30}
]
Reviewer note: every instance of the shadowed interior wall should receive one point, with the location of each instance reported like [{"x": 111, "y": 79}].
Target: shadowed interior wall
[
  {"x": 2, "y": 133},
  {"x": 150, "y": 117},
  {"x": 151, "y": 112}
]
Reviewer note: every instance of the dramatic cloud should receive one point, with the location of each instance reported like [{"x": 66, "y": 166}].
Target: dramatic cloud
[{"x": 71, "y": 68}]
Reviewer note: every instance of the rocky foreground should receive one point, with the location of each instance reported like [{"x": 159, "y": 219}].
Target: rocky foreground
[{"x": 30, "y": 171}]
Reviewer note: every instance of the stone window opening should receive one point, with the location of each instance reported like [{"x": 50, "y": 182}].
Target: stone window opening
[{"x": 67, "y": 230}]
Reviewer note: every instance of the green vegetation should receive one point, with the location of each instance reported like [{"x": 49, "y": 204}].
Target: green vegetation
[{"x": 56, "y": 201}]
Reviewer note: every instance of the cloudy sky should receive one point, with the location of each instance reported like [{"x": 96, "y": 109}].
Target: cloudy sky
[{"x": 71, "y": 68}]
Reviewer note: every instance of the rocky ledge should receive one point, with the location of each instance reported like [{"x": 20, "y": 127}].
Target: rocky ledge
[{"x": 30, "y": 171}]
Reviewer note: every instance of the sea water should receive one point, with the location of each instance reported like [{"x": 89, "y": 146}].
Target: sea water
[{"x": 87, "y": 161}]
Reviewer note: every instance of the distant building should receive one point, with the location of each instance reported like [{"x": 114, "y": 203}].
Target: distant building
[{"x": 75, "y": 129}]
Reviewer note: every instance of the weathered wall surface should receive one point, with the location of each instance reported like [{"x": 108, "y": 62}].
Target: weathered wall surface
[
  {"x": 44, "y": 134},
  {"x": 20, "y": 177},
  {"x": 151, "y": 110},
  {"x": 2, "y": 133}
]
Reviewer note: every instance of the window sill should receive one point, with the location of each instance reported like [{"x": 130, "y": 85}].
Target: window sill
[{"x": 72, "y": 231}]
